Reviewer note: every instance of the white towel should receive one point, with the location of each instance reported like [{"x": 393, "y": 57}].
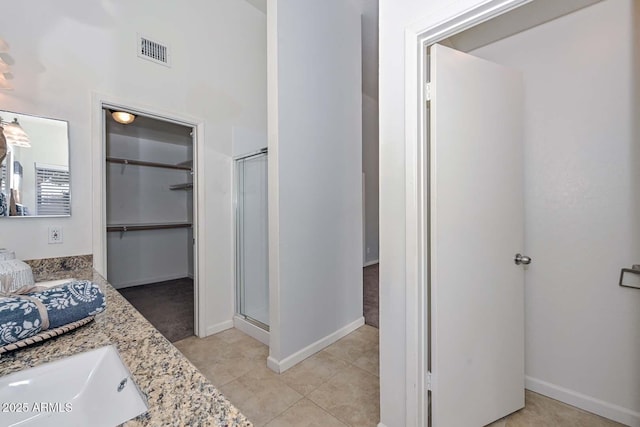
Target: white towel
[
  {"x": 15, "y": 274},
  {"x": 6, "y": 254}
]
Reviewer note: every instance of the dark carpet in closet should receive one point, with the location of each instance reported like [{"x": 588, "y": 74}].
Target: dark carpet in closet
[
  {"x": 167, "y": 305},
  {"x": 370, "y": 297}
]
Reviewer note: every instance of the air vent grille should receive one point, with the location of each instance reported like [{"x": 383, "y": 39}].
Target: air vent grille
[{"x": 153, "y": 51}]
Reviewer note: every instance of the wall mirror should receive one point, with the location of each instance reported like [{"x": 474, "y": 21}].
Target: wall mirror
[{"x": 34, "y": 166}]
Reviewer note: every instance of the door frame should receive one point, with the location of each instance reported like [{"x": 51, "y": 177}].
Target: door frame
[
  {"x": 417, "y": 178},
  {"x": 100, "y": 101}
]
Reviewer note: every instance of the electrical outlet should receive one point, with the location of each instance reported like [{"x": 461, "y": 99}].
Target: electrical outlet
[{"x": 55, "y": 235}]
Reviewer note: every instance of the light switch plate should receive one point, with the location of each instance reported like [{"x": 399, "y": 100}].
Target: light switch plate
[
  {"x": 630, "y": 277},
  {"x": 55, "y": 235}
]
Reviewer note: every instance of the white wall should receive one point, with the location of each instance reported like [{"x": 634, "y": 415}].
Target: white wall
[
  {"x": 582, "y": 204},
  {"x": 395, "y": 17},
  {"x": 67, "y": 50},
  {"x": 315, "y": 181},
  {"x": 248, "y": 141},
  {"x": 143, "y": 257}
]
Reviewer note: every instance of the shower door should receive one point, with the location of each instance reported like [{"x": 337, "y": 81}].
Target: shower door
[{"x": 252, "y": 246}]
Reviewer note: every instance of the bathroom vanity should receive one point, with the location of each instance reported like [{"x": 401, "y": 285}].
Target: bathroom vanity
[{"x": 176, "y": 392}]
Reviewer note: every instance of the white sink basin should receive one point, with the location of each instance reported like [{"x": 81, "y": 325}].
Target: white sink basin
[{"x": 89, "y": 389}]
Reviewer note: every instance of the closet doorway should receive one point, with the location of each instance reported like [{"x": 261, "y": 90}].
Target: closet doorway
[{"x": 149, "y": 203}]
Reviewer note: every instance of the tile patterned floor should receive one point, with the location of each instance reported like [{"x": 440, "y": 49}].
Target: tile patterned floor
[
  {"x": 541, "y": 411},
  {"x": 338, "y": 386}
]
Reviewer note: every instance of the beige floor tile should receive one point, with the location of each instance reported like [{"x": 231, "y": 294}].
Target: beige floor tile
[
  {"x": 543, "y": 411},
  {"x": 370, "y": 361},
  {"x": 368, "y": 332},
  {"x": 224, "y": 371},
  {"x": 224, "y": 358},
  {"x": 231, "y": 335},
  {"x": 243, "y": 343},
  {"x": 352, "y": 396},
  {"x": 198, "y": 349},
  {"x": 340, "y": 383},
  {"x": 353, "y": 346},
  {"x": 260, "y": 378},
  {"x": 305, "y": 414},
  {"x": 312, "y": 372},
  {"x": 260, "y": 395}
]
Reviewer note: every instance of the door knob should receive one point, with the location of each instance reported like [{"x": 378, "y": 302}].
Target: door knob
[{"x": 522, "y": 259}]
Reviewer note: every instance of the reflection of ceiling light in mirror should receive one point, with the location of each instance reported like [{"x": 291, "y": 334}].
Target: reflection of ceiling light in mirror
[
  {"x": 15, "y": 135},
  {"x": 4, "y": 84},
  {"x": 123, "y": 117}
]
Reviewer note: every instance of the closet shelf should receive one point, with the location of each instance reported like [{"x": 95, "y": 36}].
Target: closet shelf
[
  {"x": 141, "y": 227},
  {"x": 185, "y": 186},
  {"x": 151, "y": 164}
]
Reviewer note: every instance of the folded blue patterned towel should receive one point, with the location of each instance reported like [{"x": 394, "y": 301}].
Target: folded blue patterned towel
[{"x": 23, "y": 316}]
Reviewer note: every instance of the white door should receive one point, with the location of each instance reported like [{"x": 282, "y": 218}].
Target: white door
[{"x": 477, "y": 226}]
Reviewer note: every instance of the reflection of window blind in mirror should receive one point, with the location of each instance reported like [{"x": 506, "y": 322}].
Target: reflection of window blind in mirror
[
  {"x": 52, "y": 190},
  {"x": 3, "y": 179}
]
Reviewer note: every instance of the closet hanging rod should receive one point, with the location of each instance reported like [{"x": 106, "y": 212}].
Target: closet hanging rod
[
  {"x": 185, "y": 186},
  {"x": 150, "y": 164},
  {"x": 141, "y": 227}
]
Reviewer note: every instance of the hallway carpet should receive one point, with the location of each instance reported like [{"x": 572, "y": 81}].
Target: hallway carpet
[
  {"x": 166, "y": 305},
  {"x": 370, "y": 288}
]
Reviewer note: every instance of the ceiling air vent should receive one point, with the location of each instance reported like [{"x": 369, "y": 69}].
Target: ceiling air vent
[{"x": 153, "y": 51}]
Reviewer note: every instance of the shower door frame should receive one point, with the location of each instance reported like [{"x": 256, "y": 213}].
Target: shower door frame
[{"x": 238, "y": 239}]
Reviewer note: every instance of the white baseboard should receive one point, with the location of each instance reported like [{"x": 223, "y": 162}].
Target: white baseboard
[
  {"x": 299, "y": 356},
  {"x": 372, "y": 262},
  {"x": 273, "y": 364},
  {"x": 219, "y": 327},
  {"x": 251, "y": 329},
  {"x": 587, "y": 403},
  {"x": 147, "y": 281}
]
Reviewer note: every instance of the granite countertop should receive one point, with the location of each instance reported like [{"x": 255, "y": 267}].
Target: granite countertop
[{"x": 177, "y": 393}]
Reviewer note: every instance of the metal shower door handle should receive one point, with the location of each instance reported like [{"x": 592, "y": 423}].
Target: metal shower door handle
[{"x": 522, "y": 259}]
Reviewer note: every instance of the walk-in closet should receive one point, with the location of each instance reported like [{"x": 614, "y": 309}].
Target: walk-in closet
[{"x": 149, "y": 214}]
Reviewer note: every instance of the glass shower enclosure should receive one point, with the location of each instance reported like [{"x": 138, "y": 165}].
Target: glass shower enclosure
[{"x": 252, "y": 240}]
